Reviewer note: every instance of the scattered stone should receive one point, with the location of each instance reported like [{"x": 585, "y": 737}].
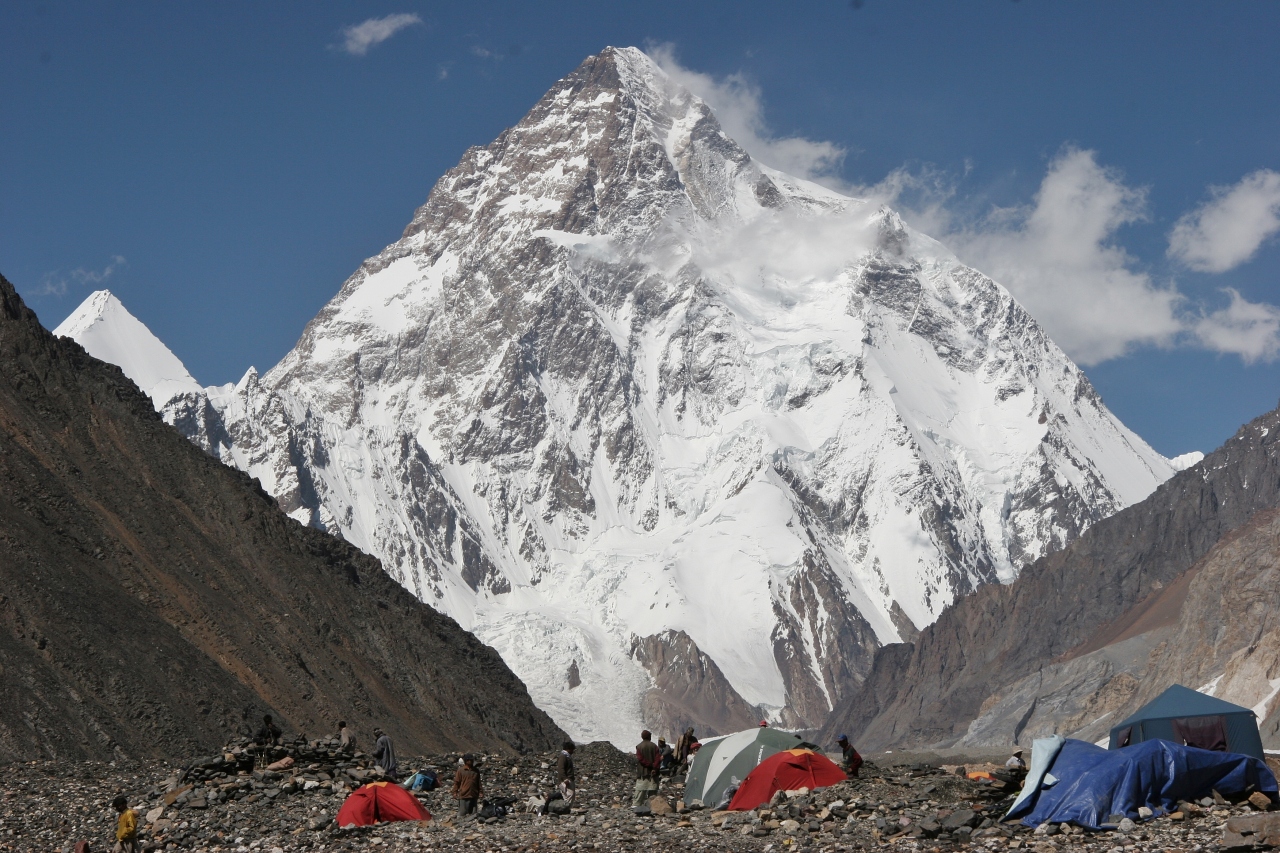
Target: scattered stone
[{"x": 1260, "y": 801}]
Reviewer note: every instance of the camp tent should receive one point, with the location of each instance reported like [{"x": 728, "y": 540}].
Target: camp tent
[
  {"x": 718, "y": 762},
  {"x": 788, "y": 770},
  {"x": 1186, "y": 717},
  {"x": 1071, "y": 781},
  {"x": 380, "y": 802}
]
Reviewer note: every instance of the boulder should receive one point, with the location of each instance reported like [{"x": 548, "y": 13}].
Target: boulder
[
  {"x": 172, "y": 795},
  {"x": 959, "y": 818},
  {"x": 1251, "y": 832},
  {"x": 660, "y": 806}
]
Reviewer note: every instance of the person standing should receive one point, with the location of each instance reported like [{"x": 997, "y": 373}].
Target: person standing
[
  {"x": 648, "y": 760},
  {"x": 126, "y": 826},
  {"x": 566, "y": 781},
  {"x": 683, "y": 745},
  {"x": 467, "y": 787},
  {"x": 850, "y": 759},
  {"x": 384, "y": 755},
  {"x": 346, "y": 737}
]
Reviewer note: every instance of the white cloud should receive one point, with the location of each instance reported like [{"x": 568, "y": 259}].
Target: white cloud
[
  {"x": 1250, "y": 330},
  {"x": 56, "y": 283},
  {"x": 739, "y": 108},
  {"x": 1231, "y": 226},
  {"x": 1057, "y": 256},
  {"x": 358, "y": 38}
]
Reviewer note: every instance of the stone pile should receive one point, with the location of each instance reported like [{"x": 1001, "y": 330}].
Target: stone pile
[{"x": 229, "y": 802}]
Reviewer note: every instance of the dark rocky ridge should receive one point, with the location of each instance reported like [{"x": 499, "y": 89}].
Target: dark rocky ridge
[
  {"x": 929, "y": 691},
  {"x": 155, "y": 602}
]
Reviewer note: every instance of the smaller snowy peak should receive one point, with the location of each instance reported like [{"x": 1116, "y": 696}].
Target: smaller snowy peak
[
  {"x": 107, "y": 331},
  {"x": 1186, "y": 460}
]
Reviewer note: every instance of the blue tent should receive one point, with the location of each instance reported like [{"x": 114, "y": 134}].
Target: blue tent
[
  {"x": 1184, "y": 716},
  {"x": 1093, "y": 787}
]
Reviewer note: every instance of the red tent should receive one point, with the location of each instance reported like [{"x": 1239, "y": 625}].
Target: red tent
[
  {"x": 786, "y": 771},
  {"x": 379, "y": 801}
]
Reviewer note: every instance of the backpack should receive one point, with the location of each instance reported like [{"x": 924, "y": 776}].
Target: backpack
[{"x": 424, "y": 780}]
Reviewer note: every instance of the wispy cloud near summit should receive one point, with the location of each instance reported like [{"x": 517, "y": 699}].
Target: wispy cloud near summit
[{"x": 358, "y": 38}]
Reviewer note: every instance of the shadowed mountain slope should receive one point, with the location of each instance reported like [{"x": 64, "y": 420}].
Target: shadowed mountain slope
[
  {"x": 154, "y": 602},
  {"x": 1114, "y": 584}
]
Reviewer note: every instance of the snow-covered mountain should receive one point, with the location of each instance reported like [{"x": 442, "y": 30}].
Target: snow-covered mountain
[
  {"x": 107, "y": 330},
  {"x": 686, "y": 439}
]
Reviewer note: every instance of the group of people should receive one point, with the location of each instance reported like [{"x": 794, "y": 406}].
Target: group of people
[
  {"x": 653, "y": 762},
  {"x": 467, "y": 788},
  {"x": 656, "y": 760}
]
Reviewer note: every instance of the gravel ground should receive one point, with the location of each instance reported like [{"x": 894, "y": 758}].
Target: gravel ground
[{"x": 48, "y": 806}]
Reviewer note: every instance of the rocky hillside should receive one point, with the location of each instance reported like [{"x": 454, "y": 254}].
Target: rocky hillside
[
  {"x": 154, "y": 603},
  {"x": 618, "y": 386},
  {"x": 1180, "y": 588}
]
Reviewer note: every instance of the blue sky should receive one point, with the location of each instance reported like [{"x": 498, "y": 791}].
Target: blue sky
[{"x": 224, "y": 167}]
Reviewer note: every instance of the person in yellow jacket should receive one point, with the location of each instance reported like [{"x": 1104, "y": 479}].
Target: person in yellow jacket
[{"x": 126, "y": 827}]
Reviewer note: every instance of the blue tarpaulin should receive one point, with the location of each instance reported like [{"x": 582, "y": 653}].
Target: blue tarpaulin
[{"x": 1092, "y": 786}]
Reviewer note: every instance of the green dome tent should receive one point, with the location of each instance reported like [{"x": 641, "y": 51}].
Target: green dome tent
[
  {"x": 719, "y": 761},
  {"x": 1184, "y": 716}
]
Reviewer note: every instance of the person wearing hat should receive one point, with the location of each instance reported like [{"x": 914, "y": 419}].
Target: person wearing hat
[
  {"x": 850, "y": 759},
  {"x": 466, "y": 786},
  {"x": 1015, "y": 761},
  {"x": 384, "y": 756},
  {"x": 126, "y": 826}
]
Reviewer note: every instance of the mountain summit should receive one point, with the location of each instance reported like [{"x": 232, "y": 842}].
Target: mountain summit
[
  {"x": 106, "y": 329},
  {"x": 685, "y": 438}
]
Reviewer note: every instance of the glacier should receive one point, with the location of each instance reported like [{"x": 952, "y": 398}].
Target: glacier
[{"x": 683, "y": 437}]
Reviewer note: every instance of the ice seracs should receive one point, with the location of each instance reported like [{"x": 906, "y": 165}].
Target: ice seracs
[
  {"x": 660, "y": 423},
  {"x": 106, "y": 329}
]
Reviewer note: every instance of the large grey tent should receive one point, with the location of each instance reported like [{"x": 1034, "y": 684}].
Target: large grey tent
[
  {"x": 718, "y": 762},
  {"x": 1184, "y": 716}
]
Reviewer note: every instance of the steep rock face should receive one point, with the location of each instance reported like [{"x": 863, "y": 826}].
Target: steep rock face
[
  {"x": 617, "y": 380},
  {"x": 154, "y": 602},
  {"x": 1179, "y": 588},
  {"x": 1215, "y": 628},
  {"x": 688, "y": 688}
]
